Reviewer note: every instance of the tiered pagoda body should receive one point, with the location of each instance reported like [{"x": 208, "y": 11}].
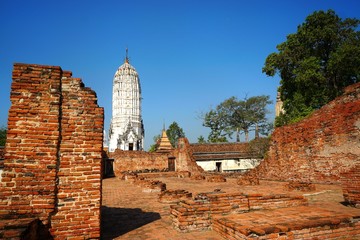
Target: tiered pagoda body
[{"x": 126, "y": 128}]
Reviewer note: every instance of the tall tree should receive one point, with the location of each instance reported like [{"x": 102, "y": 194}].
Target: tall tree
[
  {"x": 174, "y": 132},
  {"x": 249, "y": 115},
  {"x": 316, "y": 63},
  {"x": 216, "y": 120},
  {"x": 233, "y": 115}
]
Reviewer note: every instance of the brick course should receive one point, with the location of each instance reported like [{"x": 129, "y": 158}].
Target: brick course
[{"x": 52, "y": 167}]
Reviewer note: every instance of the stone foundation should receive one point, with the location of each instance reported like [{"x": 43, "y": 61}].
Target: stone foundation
[
  {"x": 289, "y": 223},
  {"x": 198, "y": 214}
]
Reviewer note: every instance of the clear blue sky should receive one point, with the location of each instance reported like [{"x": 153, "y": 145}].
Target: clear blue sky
[{"x": 190, "y": 54}]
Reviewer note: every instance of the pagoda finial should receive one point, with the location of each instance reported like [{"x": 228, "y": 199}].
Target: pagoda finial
[{"x": 127, "y": 56}]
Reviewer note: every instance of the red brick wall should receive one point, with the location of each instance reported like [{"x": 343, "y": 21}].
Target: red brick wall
[
  {"x": 184, "y": 158},
  {"x": 350, "y": 182},
  {"x": 52, "y": 168},
  {"x": 320, "y": 147},
  {"x": 138, "y": 161}
]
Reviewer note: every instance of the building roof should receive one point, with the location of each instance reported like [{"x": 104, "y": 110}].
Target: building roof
[{"x": 221, "y": 151}]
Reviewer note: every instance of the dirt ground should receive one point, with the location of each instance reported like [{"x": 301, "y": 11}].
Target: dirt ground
[{"x": 129, "y": 213}]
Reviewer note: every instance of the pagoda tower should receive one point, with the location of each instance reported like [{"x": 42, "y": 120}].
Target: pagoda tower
[
  {"x": 164, "y": 143},
  {"x": 126, "y": 128}
]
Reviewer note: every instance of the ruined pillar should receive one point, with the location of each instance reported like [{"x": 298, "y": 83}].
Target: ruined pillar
[{"x": 52, "y": 167}]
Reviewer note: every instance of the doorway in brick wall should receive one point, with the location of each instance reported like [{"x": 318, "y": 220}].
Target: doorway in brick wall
[{"x": 171, "y": 164}]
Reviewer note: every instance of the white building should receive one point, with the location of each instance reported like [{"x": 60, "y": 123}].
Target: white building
[
  {"x": 224, "y": 157},
  {"x": 126, "y": 128}
]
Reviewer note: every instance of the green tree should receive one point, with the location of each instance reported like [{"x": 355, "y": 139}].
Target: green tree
[
  {"x": 201, "y": 139},
  {"x": 3, "y": 131},
  {"x": 216, "y": 120},
  {"x": 233, "y": 115},
  {"x": 174, "y": 132},
  {"x": 249, "y": 115},
  {"x": 155, "y": 146},
  {"x": 315, "y": 64}
]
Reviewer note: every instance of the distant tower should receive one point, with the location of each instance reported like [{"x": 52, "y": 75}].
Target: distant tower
[
  {"x": 126, "y": 128},
  {"x": 279, "y": 105}
]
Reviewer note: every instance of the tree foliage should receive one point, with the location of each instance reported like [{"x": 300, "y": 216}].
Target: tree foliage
[
  {"x": 201, "y": 139},
  {"x": 315, "y": 63},
  {"x": 174, "y": 132},
  {"x": 233, "y": 115},
  {"x": 3, "y": 131},
  {"x": 217, "y": 122},
  {"x": 155, "y": 146}
]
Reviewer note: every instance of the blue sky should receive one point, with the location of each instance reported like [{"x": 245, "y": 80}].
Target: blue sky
[{"x": 190, "y": 54}]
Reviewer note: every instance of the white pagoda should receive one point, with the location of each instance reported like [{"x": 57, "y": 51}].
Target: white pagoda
[{"x": 126, "y": 128}]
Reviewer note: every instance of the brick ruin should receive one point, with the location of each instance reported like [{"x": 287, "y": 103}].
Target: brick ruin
[
  {"x": 52, "y": 167},
  {"x": 323, "y": 148},
  {"x": 199, "y": 213},
  {"x": 319, "y": 148},
  {"x": 138, "y": 161},
  {"x": 179, "y": 160}
]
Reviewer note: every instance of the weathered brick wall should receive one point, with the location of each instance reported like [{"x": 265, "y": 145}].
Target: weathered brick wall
[
  {"x": 138, "y": 161},
  {"x": 184, "y": 158},
  {"x": 350, "y": 182},
  {"x": 52, "y": 168},
  {"x": 79, "y": 192},
  {"x": 320, "y": 147}
]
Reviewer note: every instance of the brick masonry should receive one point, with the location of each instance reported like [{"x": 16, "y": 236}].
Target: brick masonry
[
  {"x": 302, "y": 222},
  {"x": 52, "y": 167},
  {"x": 184, "y": 159},
  {"x": 320, "y": 147},
  {"x": 350, "y": 181},
  {"x": 198, "y": 214},
  {"x": 138, "y": 161}
]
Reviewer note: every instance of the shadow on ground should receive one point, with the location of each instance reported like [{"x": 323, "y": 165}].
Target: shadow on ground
[{"x": 118, "y": 221}]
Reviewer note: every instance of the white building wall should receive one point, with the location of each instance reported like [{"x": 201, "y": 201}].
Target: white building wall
[{"x": 229, "y": 164}]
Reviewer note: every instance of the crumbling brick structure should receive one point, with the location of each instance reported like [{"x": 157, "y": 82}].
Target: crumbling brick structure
[
  {"x": 198, "y": 214},
  {"x": 184, "y": 158},
  {"x": 320, "y": 147},
  {"x": 52, "y": 168},
  {"x": 350, "y": 182},
  {"x": 138, "y": 161}
]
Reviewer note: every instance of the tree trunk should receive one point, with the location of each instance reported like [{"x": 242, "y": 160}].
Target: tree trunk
[
  {"x": 246, "y": 135},
  {"x": 257, "y": 132},
  {"x": 237, "y": 135}
]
